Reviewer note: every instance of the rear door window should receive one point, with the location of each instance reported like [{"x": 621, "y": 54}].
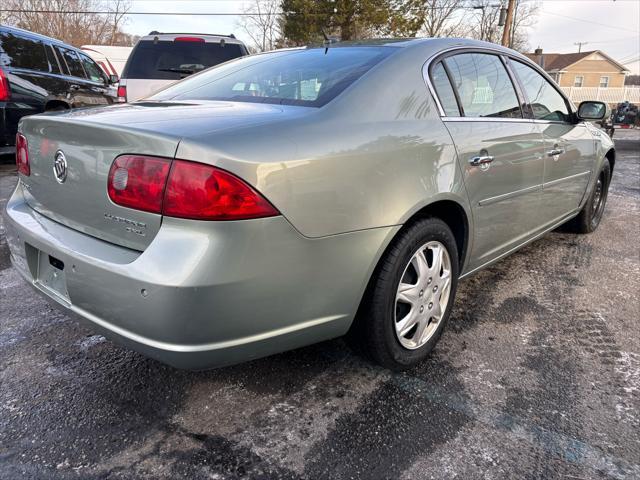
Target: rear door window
[
  {"x": 483, "y": 85},
  {"x": 93, "y": 70},
  {"x": 73, "y": 63},
  {"x": 22, "y": 52},
  {"x": 61, "y": 60},
  {"x": 51, "y": 57},
  {"x": 444, "y": 90},
  {"x": 546, "y": 102},
  {"x": 174, "y": 60}
]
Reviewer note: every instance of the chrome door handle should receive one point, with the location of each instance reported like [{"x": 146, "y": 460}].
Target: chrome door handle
[
  {"x": 555, "y": 152},
  {"x": 481, "y": 160}
]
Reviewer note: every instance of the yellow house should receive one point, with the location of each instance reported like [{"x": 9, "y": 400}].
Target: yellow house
[{"x": 584, "y": 69}]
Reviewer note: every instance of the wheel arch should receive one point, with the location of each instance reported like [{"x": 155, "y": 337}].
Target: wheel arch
[
  {"x": 454, "y": 215},
  {"x": 450, "y": 211},
  {"x": 611, "y": 156}
]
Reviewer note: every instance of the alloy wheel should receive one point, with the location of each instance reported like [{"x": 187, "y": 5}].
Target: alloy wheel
[{"x": 422, "y": 295}]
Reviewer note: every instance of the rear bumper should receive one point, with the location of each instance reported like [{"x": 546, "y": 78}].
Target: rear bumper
[{"x": 203, "y": 294}]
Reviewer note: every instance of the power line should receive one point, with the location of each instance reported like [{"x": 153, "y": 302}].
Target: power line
[
  {"x": 102, "y": 12},
  {"x": 97, "y": 12},
  {"x": 617, "y": 40},
  {"x": 587, "y": 21}
]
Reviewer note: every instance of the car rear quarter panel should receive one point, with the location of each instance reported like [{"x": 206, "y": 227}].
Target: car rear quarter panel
[
  {"x": 603, "y": 144},
  {"x": 371, "y": 158}
]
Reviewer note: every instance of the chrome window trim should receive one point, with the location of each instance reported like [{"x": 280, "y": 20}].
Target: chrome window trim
[
  {"x": 559, "y": 122},
  {"x": 495, "y": 51},
  {"x": 487, "y": 119},
  {"x": 430, "y": 87}
]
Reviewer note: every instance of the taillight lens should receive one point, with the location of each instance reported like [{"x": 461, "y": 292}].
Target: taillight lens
[
  {"x": 203, "y": 192},
  {"x": 22, "y": 155},
  {"x": 184, "y": 189},
  {"x": 138, "y": 182},
  {"x": 122, "y": 93},
  {"x": 5, "y": 93}
]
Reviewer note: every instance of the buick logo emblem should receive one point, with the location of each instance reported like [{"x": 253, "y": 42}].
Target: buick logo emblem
[{"x": 60, "y": 167}]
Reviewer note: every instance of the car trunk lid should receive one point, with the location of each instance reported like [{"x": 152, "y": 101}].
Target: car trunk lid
[
  {"x": 91, "y": 139},
  {"x": 80, "y": 200}
]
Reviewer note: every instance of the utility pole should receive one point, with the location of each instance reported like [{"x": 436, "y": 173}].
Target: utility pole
[
  {"x": 506, "y": 33},
  {"x": 579, "y": 44}
]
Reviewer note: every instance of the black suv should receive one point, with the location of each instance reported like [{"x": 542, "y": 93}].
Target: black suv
[{"x": 39, "y": 74}]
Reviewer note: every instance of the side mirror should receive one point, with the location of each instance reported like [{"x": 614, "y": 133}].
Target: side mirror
[
  {"x": 591, "y": 111},
  {"x": 113, "y": 79}
]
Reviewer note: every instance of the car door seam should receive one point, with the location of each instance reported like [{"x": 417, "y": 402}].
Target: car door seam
[
  {"x": 491, "y": 200},
  {"x": 564, "y": 179}
]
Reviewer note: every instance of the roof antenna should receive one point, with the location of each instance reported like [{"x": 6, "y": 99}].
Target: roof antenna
[{"x": 327, "y": 41}]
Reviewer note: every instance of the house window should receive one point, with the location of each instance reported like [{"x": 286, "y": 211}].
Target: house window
[
  {"x": 604, "y": 82},
  {"x": 578, "y": 81}
]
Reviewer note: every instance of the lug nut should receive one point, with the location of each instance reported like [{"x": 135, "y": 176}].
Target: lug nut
[
  {"x": 430, "y": 305},
  {"x": 435, "y": 289},
  {"x": 421, "y": 308},
  {"x": 421, "y": 293}
]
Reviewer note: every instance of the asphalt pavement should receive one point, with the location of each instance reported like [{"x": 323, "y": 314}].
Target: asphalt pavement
[{"x": 536, "y": 377}]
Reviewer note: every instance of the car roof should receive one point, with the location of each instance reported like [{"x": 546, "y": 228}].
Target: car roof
[
  {"x": 407, "y": 42},
  {"x": 37, "y": 36},
  {"x": 214, "y": 38}
]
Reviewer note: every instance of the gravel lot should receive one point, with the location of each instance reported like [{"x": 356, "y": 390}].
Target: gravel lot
[{"x": 537, "y": 376}]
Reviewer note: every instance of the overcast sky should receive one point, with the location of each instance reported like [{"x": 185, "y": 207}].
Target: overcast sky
[{"x": 612, "y": 26}]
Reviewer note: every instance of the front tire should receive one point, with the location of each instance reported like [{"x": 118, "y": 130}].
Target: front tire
[
  {"x": 590, "y": 216},
  {"x": 410, "y": 298}
]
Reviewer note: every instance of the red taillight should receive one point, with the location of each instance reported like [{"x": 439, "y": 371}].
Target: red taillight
[
  {"x": 186, "y": 190},
  {"x": 22, "y": 155},
  {"x": 122, "y": 93},
  {"x": 5, "y": 93},
  {"x": 203, "y": 192},
  {"x": 188, "y": 39},
  {"x": 138, "y": 182}
]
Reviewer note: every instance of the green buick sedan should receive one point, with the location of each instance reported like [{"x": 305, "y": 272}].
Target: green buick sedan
[{"x": 290, "y": 197}]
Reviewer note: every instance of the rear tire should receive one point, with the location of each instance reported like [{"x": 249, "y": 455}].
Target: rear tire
[
  {"x": 590, "y": 216},
  {"x": 409, "y": 299}
]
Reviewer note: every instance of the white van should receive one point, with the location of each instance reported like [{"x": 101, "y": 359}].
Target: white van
[
  {"x": 160, "y": 59},
  {"x": 111, "y": 59}
]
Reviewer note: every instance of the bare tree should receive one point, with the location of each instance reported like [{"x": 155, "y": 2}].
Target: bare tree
[
  {"x": 262, "y": 24},
  {"x": 71, "y": 20},
  {"x": 484, "y": 22},
  {"x": 117, "y": 12},
  {"x": 441, "y": 18},
  {"x": 526, "y": 15}
]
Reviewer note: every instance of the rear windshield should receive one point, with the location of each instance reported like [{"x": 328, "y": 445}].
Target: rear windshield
[
  {"x": 20, "y": 52},
  {"x": 174, "y": 60},
  {"x": 310, "y": 77}
]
